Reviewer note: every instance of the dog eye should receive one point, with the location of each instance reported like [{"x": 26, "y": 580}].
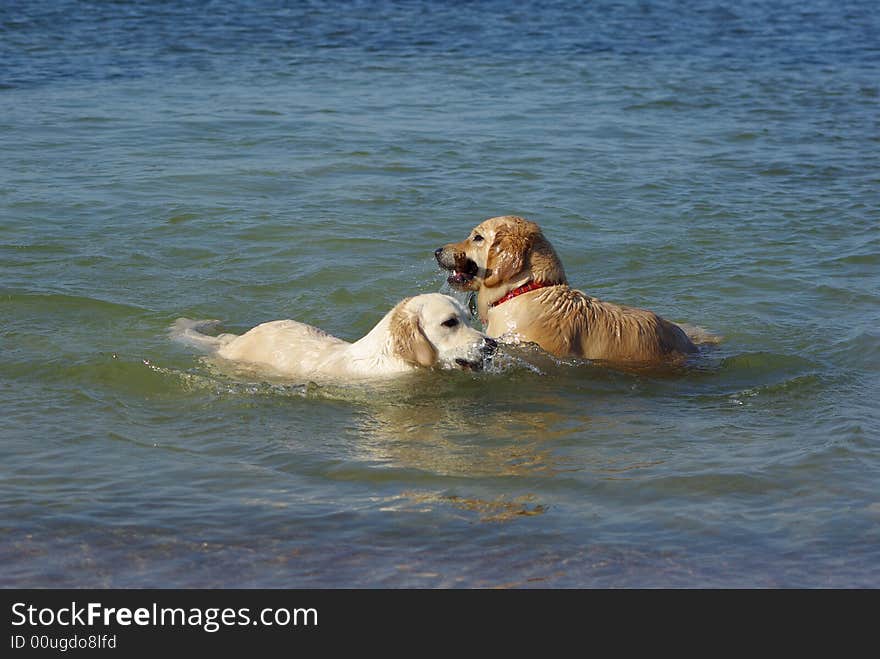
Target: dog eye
[
  {"x": 478, "y": 238},
  {"x": 452, "y": 322}
]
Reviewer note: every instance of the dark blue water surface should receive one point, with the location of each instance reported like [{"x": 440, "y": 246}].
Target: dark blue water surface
[{"x": 718, "y": 163}]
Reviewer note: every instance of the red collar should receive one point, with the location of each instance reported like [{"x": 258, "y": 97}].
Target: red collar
[{"x": 525, "y": 288}]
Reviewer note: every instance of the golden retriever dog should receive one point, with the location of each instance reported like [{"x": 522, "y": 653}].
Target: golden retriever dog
[
  {"x": 524, "y": 296},
  {"x": 423, "y": 331}
]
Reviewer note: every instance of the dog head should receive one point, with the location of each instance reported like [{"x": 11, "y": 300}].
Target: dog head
[
  {"x": 433, "y": 330},
  {"x": 500, "y": 253}
]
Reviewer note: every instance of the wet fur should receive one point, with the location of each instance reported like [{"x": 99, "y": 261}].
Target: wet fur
[
  {"x": 398, "y": 343},
  {"x": 563, "y": 321}
]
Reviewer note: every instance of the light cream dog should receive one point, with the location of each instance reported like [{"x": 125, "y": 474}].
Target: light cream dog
[
  {"x": 423, "y": 331},
  {"x": 523, "y": 295}
]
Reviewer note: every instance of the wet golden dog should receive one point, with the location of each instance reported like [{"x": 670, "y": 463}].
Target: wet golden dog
[
  {"x": 524, "y": 296},
  {"x": 423, "y": 331}
]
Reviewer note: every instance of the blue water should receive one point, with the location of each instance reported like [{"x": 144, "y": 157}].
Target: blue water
[{"x": 718, "y": 163}]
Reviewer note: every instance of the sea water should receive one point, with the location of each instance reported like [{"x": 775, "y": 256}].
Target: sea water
[{"x": 718, "y": 163}]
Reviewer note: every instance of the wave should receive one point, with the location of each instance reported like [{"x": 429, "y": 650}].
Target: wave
[{"x": 54, "y": 301}]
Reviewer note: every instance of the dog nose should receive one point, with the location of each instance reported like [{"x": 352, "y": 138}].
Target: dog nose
[{"x": 489, "y": 346}]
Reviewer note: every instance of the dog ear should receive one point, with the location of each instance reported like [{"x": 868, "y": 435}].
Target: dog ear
[
  {"x": 507, "y": 256},
  {"x": 408, "y": 340}
]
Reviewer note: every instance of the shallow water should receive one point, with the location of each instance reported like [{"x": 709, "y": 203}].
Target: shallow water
[{"x": 251, "y": 161}]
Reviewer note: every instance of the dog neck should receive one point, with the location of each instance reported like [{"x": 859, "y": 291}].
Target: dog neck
[
  {"x": 531, "y": 285},
  {"x": 375, "y": 351},
  {"x": 489, "y": 298},
  {"x": 486, "y": 297}
]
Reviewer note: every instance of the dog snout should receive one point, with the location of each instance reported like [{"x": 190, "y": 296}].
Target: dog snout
[
  {"x": 445, "y": 256},
  {"x": 489, "y": 347}
]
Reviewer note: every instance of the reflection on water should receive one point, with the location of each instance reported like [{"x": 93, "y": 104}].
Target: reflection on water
[
  {"x": 460, "y": 440},
  {"x": 501, "y": 509},
  {"x": 435, "y": 426}
]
